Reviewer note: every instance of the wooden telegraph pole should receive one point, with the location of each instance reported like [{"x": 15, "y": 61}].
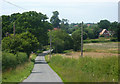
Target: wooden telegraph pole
[
  {"x": 14, "y": 29},
  {"x": 50, "y": 44},
  {"x": 82, "y": 39}
]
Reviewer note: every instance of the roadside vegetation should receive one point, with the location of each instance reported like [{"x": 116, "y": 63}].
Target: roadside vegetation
[
  {"x": 16, "y": 55},
  {"x": 98, "y": 63},
  {"x": 85, "y": 69},
  {"x": 16, "y": 69},
  {"x": 29, "y": 36}
]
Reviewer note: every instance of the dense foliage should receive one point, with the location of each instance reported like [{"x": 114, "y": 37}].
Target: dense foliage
[
  {"x": 55, "y": 19},
  {"x": 104, "y": 24},
  {"x": 24, "y": 42},
  {"x": 0, "y": 29},
  {"x": 21, "y": 71},
  {"x": 35, "y": 23},
  {"x": 118, "y": 28},
  {"x": 10, "y": 60},
  {"x": 76, "y": 35},
  {"x": 60, "y": 40},
  {"x": 64, "y": 25}
]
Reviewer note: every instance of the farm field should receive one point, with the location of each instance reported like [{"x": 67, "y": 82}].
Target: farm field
[
  {"x": 95, "y": 50},
  {"x": 109, "y": 47},
  {"x": 99, "y": 64}
]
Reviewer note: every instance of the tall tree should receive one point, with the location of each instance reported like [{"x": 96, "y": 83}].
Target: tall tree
[
  {"x": 55, "y": 19},
  {"x": 118, "y": 32},
  {"x": 60, "y": 40},
  {"x": 64, "y": 25},
  {"x": 35, "y": 23},
  {"x": 104, "y": 24},
  {"x": 76, "y": 35}
]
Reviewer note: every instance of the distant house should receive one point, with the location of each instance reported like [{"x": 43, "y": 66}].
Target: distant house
[
  {"x": 55, "y": 29},
  {"x": 88, "y": 25},
  {"x": 104, "y": 33},
  {"x": 75, "y": 25}
]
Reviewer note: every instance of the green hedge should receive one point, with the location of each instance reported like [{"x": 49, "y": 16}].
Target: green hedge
[
  {"x": 9, "y": 60},
  {"x": 114, "y": 39},
  {"x": 96, "y": 40}
]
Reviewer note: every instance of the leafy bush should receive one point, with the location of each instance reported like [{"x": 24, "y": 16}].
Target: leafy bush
[
  {"x": 39, "y": 51},
  {"x": 10, "y": 60},
  {"x": 33, "y": 56},
  {"x": 29, "y": 42},
  {"x": 11, "y": 44},
  {"x": 21, "y": 57},
  {"x": 24, "y": 42}
]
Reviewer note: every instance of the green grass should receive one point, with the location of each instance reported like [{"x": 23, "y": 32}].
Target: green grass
[
  {"x": 67, "y": 51},
  {"x": 19, "y": 73},
  {"x": 85, "y": 69}
]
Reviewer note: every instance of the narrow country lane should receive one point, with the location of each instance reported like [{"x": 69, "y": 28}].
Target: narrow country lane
[{"x": 42, "y": 71}]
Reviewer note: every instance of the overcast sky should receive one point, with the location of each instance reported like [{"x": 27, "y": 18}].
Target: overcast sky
[{"x": 73, "y": 10}]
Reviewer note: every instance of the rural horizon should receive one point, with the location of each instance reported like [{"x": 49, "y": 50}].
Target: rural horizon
[
  {"x": 75, "y": 11},
  {"x": 72, "y": 22},
  {"x": 59, "y": 41}
]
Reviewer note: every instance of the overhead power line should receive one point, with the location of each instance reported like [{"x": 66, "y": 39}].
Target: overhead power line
[{"x": 14, "y": 4}]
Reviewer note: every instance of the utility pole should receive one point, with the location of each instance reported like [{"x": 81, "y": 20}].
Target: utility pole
[
  {"x": 14, "y": 29},
  {"x": 50, "y": 43},
  {"x": 82, "y": 39}
]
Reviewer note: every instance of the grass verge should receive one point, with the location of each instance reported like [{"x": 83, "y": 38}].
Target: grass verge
[
  {"x": 19, "y": 73},
  {"x": 85, "y": 69}
]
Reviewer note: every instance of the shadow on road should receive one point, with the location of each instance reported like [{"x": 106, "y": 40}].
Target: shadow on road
[
  {"x": 40, "y": 63},
  {"x": 42, "y": 54}
]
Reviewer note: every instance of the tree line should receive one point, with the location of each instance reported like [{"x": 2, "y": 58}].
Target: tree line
[{"x": 31, "y": 29}]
